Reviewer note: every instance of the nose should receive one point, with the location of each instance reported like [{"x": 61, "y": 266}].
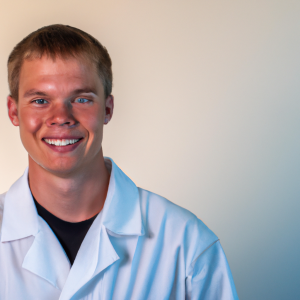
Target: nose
[{"x": 61, "y": 115}]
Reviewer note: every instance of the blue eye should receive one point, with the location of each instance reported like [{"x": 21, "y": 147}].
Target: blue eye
[
  {"x": 81, "y": 100},
  {"x": 40, "y": 101}
]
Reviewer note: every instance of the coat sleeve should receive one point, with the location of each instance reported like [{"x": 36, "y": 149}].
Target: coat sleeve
[{"x": 210, "y": 276}]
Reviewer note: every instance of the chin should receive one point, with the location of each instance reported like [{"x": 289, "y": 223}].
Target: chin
[{"x": 61, "y": 168}]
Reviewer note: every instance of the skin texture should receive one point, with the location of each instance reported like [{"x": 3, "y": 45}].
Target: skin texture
[{"x": 63, "y": 98}]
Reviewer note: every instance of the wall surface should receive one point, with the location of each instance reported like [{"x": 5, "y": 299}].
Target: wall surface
[{"x": 207, "y": 104}]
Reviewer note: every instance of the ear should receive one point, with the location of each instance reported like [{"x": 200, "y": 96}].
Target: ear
[
  {"x": 13, "y": 110},
  {"x": 109, "y": 108}
]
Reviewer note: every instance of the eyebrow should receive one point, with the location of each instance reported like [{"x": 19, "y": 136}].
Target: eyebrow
[
  {"x": 85, "y": 91},
  {"x": 34, "y": 92}
]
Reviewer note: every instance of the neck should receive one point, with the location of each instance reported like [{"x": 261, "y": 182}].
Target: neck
[{"x": 73, "y": 198}]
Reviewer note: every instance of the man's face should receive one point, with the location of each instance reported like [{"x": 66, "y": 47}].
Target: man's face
[{"x": 61, "y": 111}]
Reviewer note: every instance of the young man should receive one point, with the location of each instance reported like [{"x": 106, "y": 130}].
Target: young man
[{"x": 74, "y": 226}]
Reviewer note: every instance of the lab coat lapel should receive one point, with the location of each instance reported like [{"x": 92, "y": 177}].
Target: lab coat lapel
[
  {"x": 45, "y": 257},
  {"x": 107, "y": 254},
  {"x": 121, "y": 215},
  {"x": 20, "y": 218},
  {"x": 95, "y": 254}
]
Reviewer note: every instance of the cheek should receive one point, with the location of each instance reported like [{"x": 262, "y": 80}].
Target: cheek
[
  {"x": 95, "y": 126},
  {"x": 30, "y": 123},
  {"x": 92, "y": 120}
]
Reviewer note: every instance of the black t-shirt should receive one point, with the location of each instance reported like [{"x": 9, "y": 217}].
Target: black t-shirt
[{"x": 69, "y": 234}]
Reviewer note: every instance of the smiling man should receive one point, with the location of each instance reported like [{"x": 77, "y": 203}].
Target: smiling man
[{"x": 74, "y": 226}]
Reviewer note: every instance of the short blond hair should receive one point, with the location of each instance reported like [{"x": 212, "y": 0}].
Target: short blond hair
[{"x": 59, "y": 41}]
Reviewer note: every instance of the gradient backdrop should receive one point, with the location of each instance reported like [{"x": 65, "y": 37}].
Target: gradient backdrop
[{"x": 206, "y": 114}]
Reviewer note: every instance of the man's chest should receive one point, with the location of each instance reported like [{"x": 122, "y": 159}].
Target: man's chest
[{"x": 129, "y": 267}]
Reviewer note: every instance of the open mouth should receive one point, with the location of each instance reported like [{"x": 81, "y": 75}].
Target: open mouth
[{"x": 62, "y": 142}]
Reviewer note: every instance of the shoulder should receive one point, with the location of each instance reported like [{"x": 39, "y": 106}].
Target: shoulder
[
  {"x": 179, "y": 226},
  {"x": 2, "y": 197},
  {"x": 164, "y": 208},
  {"x": 161, "y": 208}
]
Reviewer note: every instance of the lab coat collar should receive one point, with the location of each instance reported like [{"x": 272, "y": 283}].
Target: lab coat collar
[
  {"x": 121, "y": 215},
  {"x": 122, "y": 211},
  {"x": 20, "y": 217}
]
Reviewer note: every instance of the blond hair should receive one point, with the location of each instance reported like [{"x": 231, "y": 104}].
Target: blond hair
[{"x": 59, "y": 41}]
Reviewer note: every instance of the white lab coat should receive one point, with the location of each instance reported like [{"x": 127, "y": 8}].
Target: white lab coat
[{"x": 140, "y": 247}]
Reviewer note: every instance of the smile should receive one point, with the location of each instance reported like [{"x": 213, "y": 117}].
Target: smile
[{"x": 61, "y": 142}]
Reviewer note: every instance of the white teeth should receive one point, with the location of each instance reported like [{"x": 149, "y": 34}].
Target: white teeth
[{"x": 62, "y": 142}]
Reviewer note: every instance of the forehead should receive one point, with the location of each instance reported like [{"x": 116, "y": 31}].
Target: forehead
[{"x": 58, "y": 73}]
